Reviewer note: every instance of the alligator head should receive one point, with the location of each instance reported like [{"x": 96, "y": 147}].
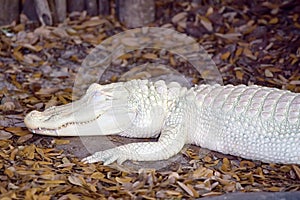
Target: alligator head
[
  {"x": 103, "y": 109},
  {"x": 116, "y": 108}
]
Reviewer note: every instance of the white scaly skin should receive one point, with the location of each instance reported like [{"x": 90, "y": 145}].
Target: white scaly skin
[{"x": 253, "y": 122}]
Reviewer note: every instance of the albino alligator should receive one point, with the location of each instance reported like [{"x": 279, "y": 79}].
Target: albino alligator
[{"x": 253, "y": 122}]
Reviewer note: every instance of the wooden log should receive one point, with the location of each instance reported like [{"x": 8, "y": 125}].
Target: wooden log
[
  {"x": 43, "y": 12},
  {"x": 104, "y": 7},
  {"x": 91, "y": 7},
  {"x": 9, "y": 11},
  {"x": 135, "y": 13}
]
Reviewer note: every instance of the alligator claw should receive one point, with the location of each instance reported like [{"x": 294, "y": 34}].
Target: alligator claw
[{"x": 107, "y": 157}]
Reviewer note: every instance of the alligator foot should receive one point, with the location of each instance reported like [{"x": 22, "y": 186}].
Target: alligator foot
[{"x": 107, "y": 157}]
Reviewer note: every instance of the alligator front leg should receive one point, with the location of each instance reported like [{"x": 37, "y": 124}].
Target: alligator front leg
[{"x": 171, "y": 141}]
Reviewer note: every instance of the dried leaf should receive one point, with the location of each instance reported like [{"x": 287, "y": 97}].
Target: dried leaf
[
  {"x": 185, "y": 188},
  {"x": 73, "y": 197},
  {"x": 61, "y": 141},
  {"x": 4, "y": 135},
  {"x": 225, "y": 56},
  {"x": 9, "y": 172},
  {"x": 53, "y": 102},
  {"x": 209, "y": 11},
  {"x": 294, "y": 82},
  {"x": 97, "y": 175},
  {"x": 18, "y": 55},
  {"x": 90, "y": 23},
  {"x": 179, "y": 17},
  {"x": 123, "y": 180},
  {"x": 62, "y": 99},
  {"x": 24, "y": 138},
  {"x": 66, "y": 165},
  {"x": 249, "y": 54},
  {"x": 239, "y": 74},
  {"x": 274, "y": 20},
  {"x": 202, "y": 172},
  {"x": 226, "y": 166},
  {"x": 18, "y": 131},
  {"x": 8, "y": 106},
  {"x": 286, "y": 169},
  {"x": 211, "y": 194},
  {"x": 173, "y": 192},
  {"x": 25, "y": 172},
  {"x": 47, "y": 91},
  {"x": 239, "y": 51},
  {"x": 247, "y": 164},
  {"x": 29, "y": 151},
  {"x": 15, "y": 81},
  {"x": 206, "y": 23},
  {"x": 35, "y": 48},
  {"x": 274, "y": 189},
  {"x": 150, "y": 56},
  {"x": 297, "y": 170},
  {"x": 53, "y": 181},
  {"x": 75, "y": 180},
  {"x": 229, "y": 36},
  {"x": 230, "y": 187},
  {"x": 268, "y": 73}
]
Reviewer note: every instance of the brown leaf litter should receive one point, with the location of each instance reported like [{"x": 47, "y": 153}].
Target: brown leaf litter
[{"x": 251, "y": 43}]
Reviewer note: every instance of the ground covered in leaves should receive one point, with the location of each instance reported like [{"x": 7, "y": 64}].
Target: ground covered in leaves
[{"x": 251, "y": 42}]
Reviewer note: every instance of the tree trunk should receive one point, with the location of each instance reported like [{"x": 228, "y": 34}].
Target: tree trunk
[
  {"x": 104, "y": 7},
  {"x": 91, "y": 7},
  {"x": 43, "y": 12},
  {"x": 52, "y": 9},
  {"x": 9, "y": 11},
  {"x": 135, "y": 13},
  {"x": 30, "y": 11},
  {"x": 61, "y": 9},
  {"x": 75, "y": 5}
]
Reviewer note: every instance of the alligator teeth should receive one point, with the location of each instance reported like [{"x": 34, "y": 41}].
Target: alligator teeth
[{"x": 65, "y": 125}]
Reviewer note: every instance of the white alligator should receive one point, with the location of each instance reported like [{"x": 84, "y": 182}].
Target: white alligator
[{"x": 252, "y": 122}]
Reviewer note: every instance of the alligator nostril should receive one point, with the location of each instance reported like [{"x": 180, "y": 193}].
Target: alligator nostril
[
  {"x": 35, "y": 112},
  {"x": 31, "y": 116}
]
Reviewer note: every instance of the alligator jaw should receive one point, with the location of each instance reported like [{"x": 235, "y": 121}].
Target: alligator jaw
[
  {"x": 50, "y": 132},
  {"x": 57, "y": 121},
  {"x": 73, "y": 129},
  {"x": 93, "y": 113}
]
